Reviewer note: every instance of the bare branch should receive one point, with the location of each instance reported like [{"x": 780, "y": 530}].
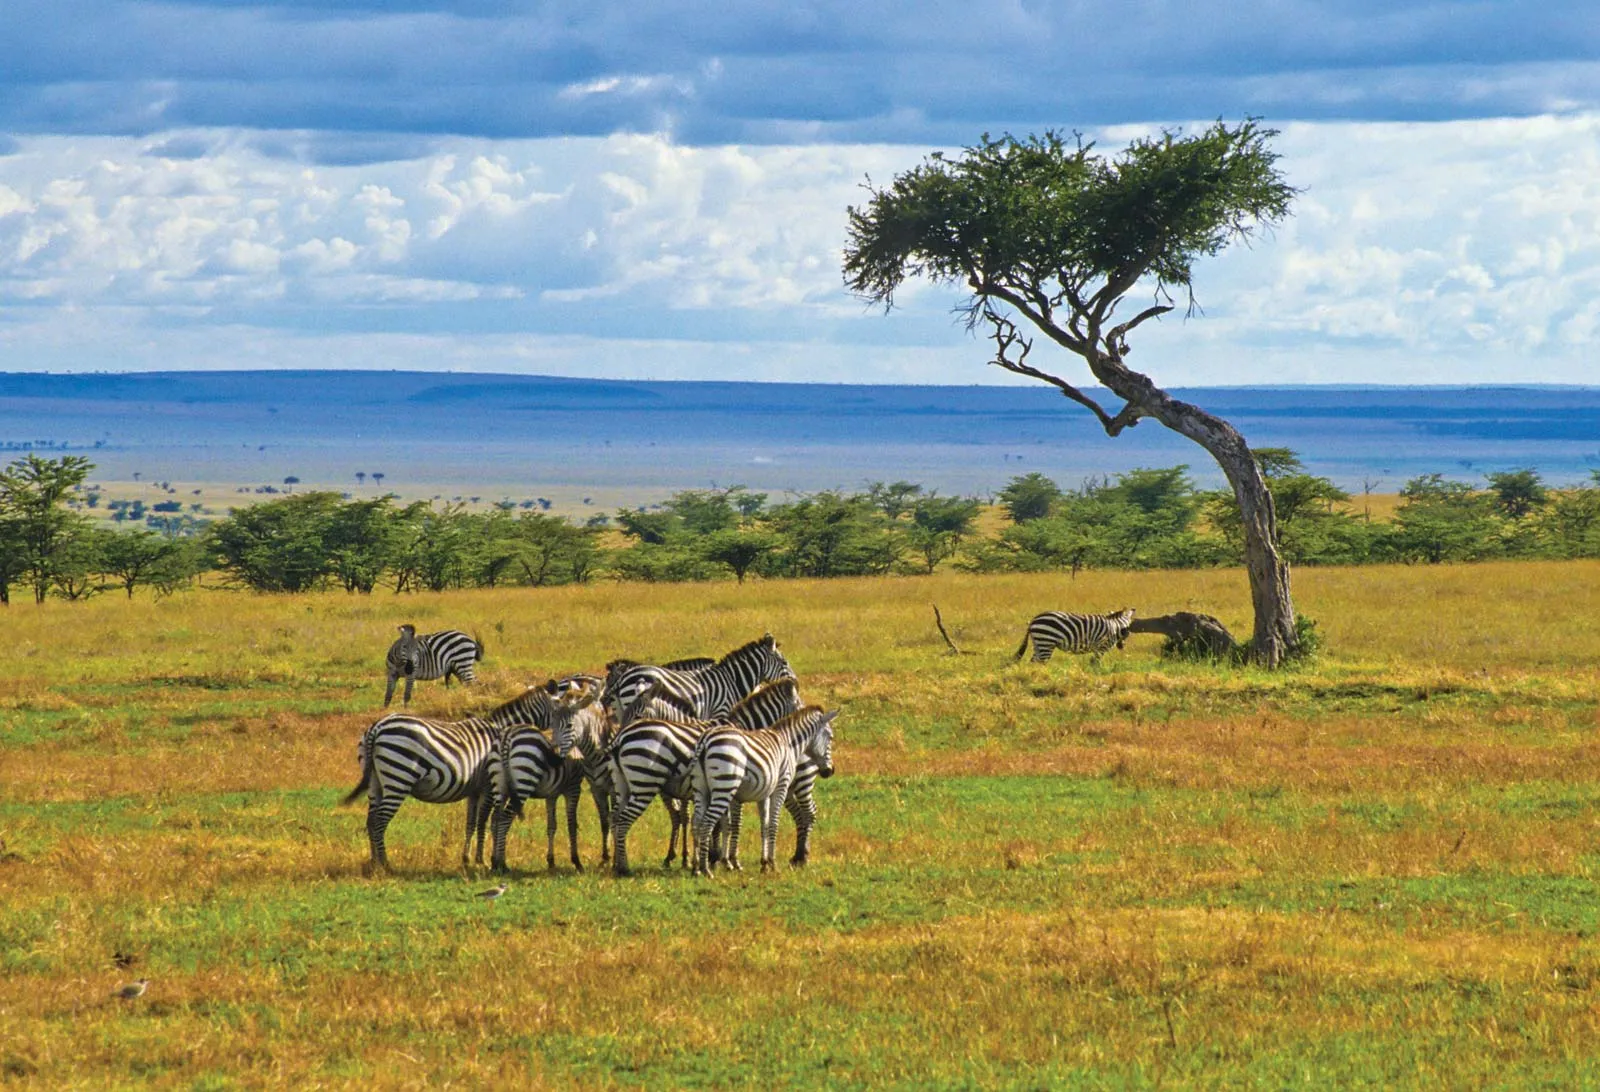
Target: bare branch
[
  {"x": 1116, "y": 340},
  {"x": 1006, "y": 339}
]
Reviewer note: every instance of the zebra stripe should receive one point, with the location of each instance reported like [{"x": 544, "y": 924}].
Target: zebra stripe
[
  {"x": 706, "y": 691},
  {"x": 651, "y": 758},
  {"x": 583, "y": 726},
  {"x": 431, "y": 656},
  {"x": 438, "y": 762},
  {"x": 1091, "y": 633},
  {"x": 770, "y": 703},
  {"x": 733, "y": 765},
  {"x": 530, "y": 768}
]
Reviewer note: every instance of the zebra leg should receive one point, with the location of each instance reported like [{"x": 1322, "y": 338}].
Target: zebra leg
[
  {"x": 572, "y": 827},
  {"x": 708, "y": 813},
  {"x": 804, "y": 810},
  {"x": 770, "y": 809},
  {"x": 485, "y": 805},
  {"x": 388, "y": 692},
  {"x": 379, "y": 813},
  {"x": 678, "y": 810},
  {"x": 406, "y": 700},
  {"x": 602, "y": 808},
  {"x": 734, "y": 821},
  {"x": 550, "y": 833},
  {"x": 629, "y": 808},
  {"x": 501, "y": 825},
  {"x": 1043, "y": 650}
]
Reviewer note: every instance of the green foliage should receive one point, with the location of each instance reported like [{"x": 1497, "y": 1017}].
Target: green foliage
[
  {"x": 39, "y": 537},
  {"x": 1019, "y": 214},
  {"x": 1028, "y": 497},
  {"x": 739, "y": 550},
  {"x": 1518, "y": 493},
  {"x": 833, "y": 534},
  {"x": 1442, "y": 520},
  {"x": 277, "y": 546}
]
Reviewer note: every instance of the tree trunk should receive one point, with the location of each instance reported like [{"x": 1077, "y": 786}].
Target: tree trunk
[{"x": 1274, "y": 635}]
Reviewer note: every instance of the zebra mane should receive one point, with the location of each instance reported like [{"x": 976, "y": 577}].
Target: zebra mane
[
  {"x": 761, "y": 692},
  {"x": 800, "y": 719},
  {"x": 532, "y": 706},
  {"x": 767, "y": 641},
  {"x": 659, "y": 692}
]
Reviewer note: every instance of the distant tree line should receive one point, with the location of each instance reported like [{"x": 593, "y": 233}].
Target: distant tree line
[{"x": 1149, "y": 518}]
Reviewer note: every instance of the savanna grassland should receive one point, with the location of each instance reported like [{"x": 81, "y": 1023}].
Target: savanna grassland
[{"x": 1378, "y": 870}]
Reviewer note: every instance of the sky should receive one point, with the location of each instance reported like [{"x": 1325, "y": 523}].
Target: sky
[{"x": 659, "y": 190}]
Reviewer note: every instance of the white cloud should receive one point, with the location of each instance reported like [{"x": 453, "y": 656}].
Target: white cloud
[{"x": 1462, "y": 250}]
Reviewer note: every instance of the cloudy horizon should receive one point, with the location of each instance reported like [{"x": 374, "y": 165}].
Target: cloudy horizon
[{"x": 490, "y": 186}]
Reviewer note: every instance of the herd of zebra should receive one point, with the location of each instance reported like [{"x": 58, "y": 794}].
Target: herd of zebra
[
  {"x": 719, "y": 733},
  {"x": 723, "y": 732}
]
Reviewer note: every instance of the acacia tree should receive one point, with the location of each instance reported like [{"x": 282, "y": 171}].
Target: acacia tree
[{"x": 1046, "y": 233}]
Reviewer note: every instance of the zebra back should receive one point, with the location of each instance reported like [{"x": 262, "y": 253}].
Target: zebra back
[
  {"x": 1092, "y": 633},
  {"x": 707, "y": 692}
]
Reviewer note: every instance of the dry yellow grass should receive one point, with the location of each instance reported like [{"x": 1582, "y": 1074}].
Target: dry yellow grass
[{"x": 1377, "y": 870}]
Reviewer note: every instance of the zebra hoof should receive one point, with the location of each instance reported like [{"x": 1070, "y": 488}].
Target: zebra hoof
[
  {"x": 622, "y": 871},
  {"x": 767, "y": 866},
  {"x": 797, "y": 861},
  {"x": 577, "y": 865}
]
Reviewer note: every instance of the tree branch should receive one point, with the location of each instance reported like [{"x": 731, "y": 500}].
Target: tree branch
[
  {"x": 1117, "y": 341},
  {"x": 1006, "y": 338}
]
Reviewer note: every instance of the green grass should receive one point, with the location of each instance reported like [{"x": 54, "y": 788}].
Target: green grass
[{"x": 1380, "y": 871}]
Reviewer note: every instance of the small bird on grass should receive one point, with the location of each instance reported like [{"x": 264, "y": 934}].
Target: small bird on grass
[
  {"x": 132, "y": 990},
  {"x": 493, "y": 892}
]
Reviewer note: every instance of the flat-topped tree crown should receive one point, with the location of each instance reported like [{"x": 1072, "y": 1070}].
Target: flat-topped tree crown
[{"x": 1050, "y": 232}]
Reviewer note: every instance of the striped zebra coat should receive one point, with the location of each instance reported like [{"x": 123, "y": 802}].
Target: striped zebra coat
[
  {"x": 438, "y": 762},
  {"x": 1091, "y": 633},
  {"x": 650, "y": 758},
  {"x": 733, "y": 765},
  {"x": 707, "y": 691},
  {"x": 431, "y": 656},
  {"x": 527, "y": 766},
  {"x": 770, "y": 703}
]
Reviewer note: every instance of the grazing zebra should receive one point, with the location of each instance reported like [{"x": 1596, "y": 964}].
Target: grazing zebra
[
  {"x": 709, "y": 691},
  {"x": 650, "y": 758},
  {"x": 1091, "y": 633},
  {"x": 431, "y": 656},
  {"x": 438, "y": 762},
  {"x": 733, "y": 765}
]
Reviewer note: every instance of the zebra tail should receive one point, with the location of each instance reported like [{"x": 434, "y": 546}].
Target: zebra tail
[
  {"x": 1023, "y": 647},
  {"x": 366, "y": 777},
  {"x": 513, "y": 799}
]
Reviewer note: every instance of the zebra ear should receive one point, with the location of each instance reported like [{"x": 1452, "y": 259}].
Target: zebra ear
[
  {"x": 550, "y": 686},
  {"x": 408, "y": 630},
  {"x": 828, "y": 718},
  {"x": 769, "y": 640}
]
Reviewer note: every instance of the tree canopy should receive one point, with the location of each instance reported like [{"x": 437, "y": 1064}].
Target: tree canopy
[{"x": 1046, "y": 232}]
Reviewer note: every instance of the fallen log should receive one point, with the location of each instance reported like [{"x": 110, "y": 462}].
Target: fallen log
[{"x": 1189, "y": 634}]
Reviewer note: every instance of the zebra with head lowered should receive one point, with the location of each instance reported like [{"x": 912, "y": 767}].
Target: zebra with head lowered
[
  {"x": 529, "y": 767},
  {"x": 1091, "y": 633},
  {"x": 650, "y": 756},
  {"x": 438, "y": 762},
  {"x": 733, "y": 765},
  {"x": 431, "y": 656}
]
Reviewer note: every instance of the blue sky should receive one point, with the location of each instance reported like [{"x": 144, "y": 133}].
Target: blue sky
[{"x": 658, "y": 189}]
